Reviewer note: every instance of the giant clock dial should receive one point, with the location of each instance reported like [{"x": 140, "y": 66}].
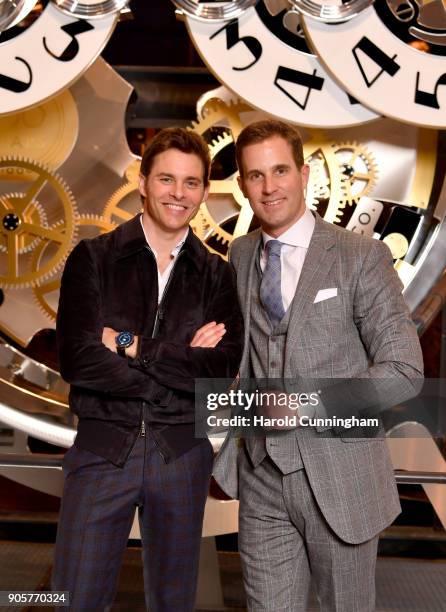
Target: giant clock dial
[
  {"x": 264, "y": 58},
  {"x": 38, "y": 61},
  {"x": 392, "y": 58}
]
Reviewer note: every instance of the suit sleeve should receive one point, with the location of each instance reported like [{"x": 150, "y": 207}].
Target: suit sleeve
[
  {"x": 84, "y": 360},
  {"x": 176, "y": 366},
  {"x": 388, "y": 333}
]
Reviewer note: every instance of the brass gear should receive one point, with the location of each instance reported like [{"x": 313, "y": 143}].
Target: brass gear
[
  {"x": 17, "y": 228},
  {"x": 125, "y": 202},
  {"x": 35, "y": 214},
  {"x": 132, "y": 171},
  {"x": 326, "y": 184},
  {"x": 46, "y": 133},
  {"x": 318, "y": 188},
  {"x": 45, "y": 292},
  {"x": 208, "y": 222},
  {"x": 358, "y": 170},
  {"x": 219, "y": 113}
]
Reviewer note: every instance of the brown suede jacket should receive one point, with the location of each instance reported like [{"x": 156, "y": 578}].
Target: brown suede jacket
[{"x": 111, "y": 281}]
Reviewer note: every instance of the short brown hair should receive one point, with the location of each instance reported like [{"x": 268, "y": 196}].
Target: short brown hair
[
  {"x": 185, "y": 141},
  {"x": 261, "y": 130}
]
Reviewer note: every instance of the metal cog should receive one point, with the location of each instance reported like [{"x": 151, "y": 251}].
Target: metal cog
[
  {"x": 217, "y": 113},
  {"x": 113, "y": 211},
  {"x": 219, "y": 143},
  {"x": 17, "y": 227},
  {"x": 42, "y": 291},
  {"x": 35, "y": 214},
  {"x": 318, "y": 187},
  {"x": 358, "y": 169},
  {"x": 132, "y": 171},
  {"x": 325, "y": 179},
  {"x": 204, "y": 224}
]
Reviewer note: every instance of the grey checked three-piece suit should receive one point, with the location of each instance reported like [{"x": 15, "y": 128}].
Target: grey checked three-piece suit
[{"x": 346, "y": 492}]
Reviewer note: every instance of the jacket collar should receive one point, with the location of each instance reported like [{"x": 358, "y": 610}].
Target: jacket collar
[
  {"x": 130, "y": 239},
  {"x": 323, "y": 232}
]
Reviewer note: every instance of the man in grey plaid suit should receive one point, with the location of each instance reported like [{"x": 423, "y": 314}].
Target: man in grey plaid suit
[{"x": 318, "y": 302}]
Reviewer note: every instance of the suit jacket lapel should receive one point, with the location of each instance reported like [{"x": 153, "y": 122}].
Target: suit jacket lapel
[
  {"x": 245, "y": 267},
  {"x": 317, "y": 265}
]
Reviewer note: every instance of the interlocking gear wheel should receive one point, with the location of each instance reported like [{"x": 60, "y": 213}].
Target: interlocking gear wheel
[
  {"x": 35, "y": 215},
  {"x": 206, "y": 225},
  {"x": 326, "y": 183},
  {"x": 46, "y": 293},
  {"x": 125, "y": 202},
  {"x": 358, "y": 170},
  {"x": 21, "y": 231}
]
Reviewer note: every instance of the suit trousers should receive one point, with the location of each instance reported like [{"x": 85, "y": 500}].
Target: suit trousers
[
  {"x": 96, "y": 516},
  {"x": 284, "y": 540}
]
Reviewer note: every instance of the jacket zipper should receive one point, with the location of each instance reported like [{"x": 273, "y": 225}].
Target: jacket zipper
[
  {"x": 158, "y": 318},
  {"x": 159, "y": 312}
]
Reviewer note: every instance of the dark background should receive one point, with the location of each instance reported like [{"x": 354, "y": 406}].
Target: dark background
[{"x": 153, "y": 38}]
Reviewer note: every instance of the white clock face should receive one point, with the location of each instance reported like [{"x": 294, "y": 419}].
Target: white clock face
[
  {"x": 41, "y": 60},
  {"x": 263, "y": 57},
  {"x": 392, "y": 58}
]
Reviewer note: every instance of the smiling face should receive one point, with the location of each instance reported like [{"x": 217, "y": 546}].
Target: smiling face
[
  {"x": 173, "y": 191},
  {"x": 273, "y": 184}
]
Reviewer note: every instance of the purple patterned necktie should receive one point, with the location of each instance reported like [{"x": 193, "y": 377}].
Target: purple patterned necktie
[{"x": 270, "y": 286}]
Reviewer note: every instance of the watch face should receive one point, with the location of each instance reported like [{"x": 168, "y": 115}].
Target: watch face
[{"x": 124, "y": 339}]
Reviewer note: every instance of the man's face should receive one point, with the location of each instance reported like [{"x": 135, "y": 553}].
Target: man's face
[
  {"x": 173, "y": 190},
  {"x": 273, "y": 184}
]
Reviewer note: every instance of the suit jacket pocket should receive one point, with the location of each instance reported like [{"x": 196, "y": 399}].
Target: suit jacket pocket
[{"x": 331, "y": 307}]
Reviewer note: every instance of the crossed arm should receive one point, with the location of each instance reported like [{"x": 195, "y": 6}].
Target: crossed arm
[
  {"x": 207, "y": 336},
  {"x": 87, "y": 350}
]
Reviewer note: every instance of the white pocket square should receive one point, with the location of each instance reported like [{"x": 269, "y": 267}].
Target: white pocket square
[{"x": 325, "y": 294}]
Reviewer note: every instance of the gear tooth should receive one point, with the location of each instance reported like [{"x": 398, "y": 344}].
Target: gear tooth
[
  {"x": 83, "y": 216},
  {"x": 215, "y": 112},
  {"x": 350, "y": 196},
  {"x": 113, "y": 201},
  {"x": 65, "y": 195},
  {"x": 82, "y": 219},
  {"x": 68, "y": 201},
  {"x": 44, "y": 309}
]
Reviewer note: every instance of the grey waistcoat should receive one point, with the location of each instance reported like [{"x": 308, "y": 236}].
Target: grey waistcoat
[{"x": 267, "y": 348}]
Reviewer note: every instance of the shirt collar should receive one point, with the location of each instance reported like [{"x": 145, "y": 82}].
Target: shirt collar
[
  {"x": 298, "y": 234},
  {"x": 174, "y": 252}
]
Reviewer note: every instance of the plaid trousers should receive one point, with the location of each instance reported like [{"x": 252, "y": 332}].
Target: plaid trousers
[{"x": 96, "y": 516}]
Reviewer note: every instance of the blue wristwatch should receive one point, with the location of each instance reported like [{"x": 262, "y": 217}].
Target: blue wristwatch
[{"x": 124, "y": 340}]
